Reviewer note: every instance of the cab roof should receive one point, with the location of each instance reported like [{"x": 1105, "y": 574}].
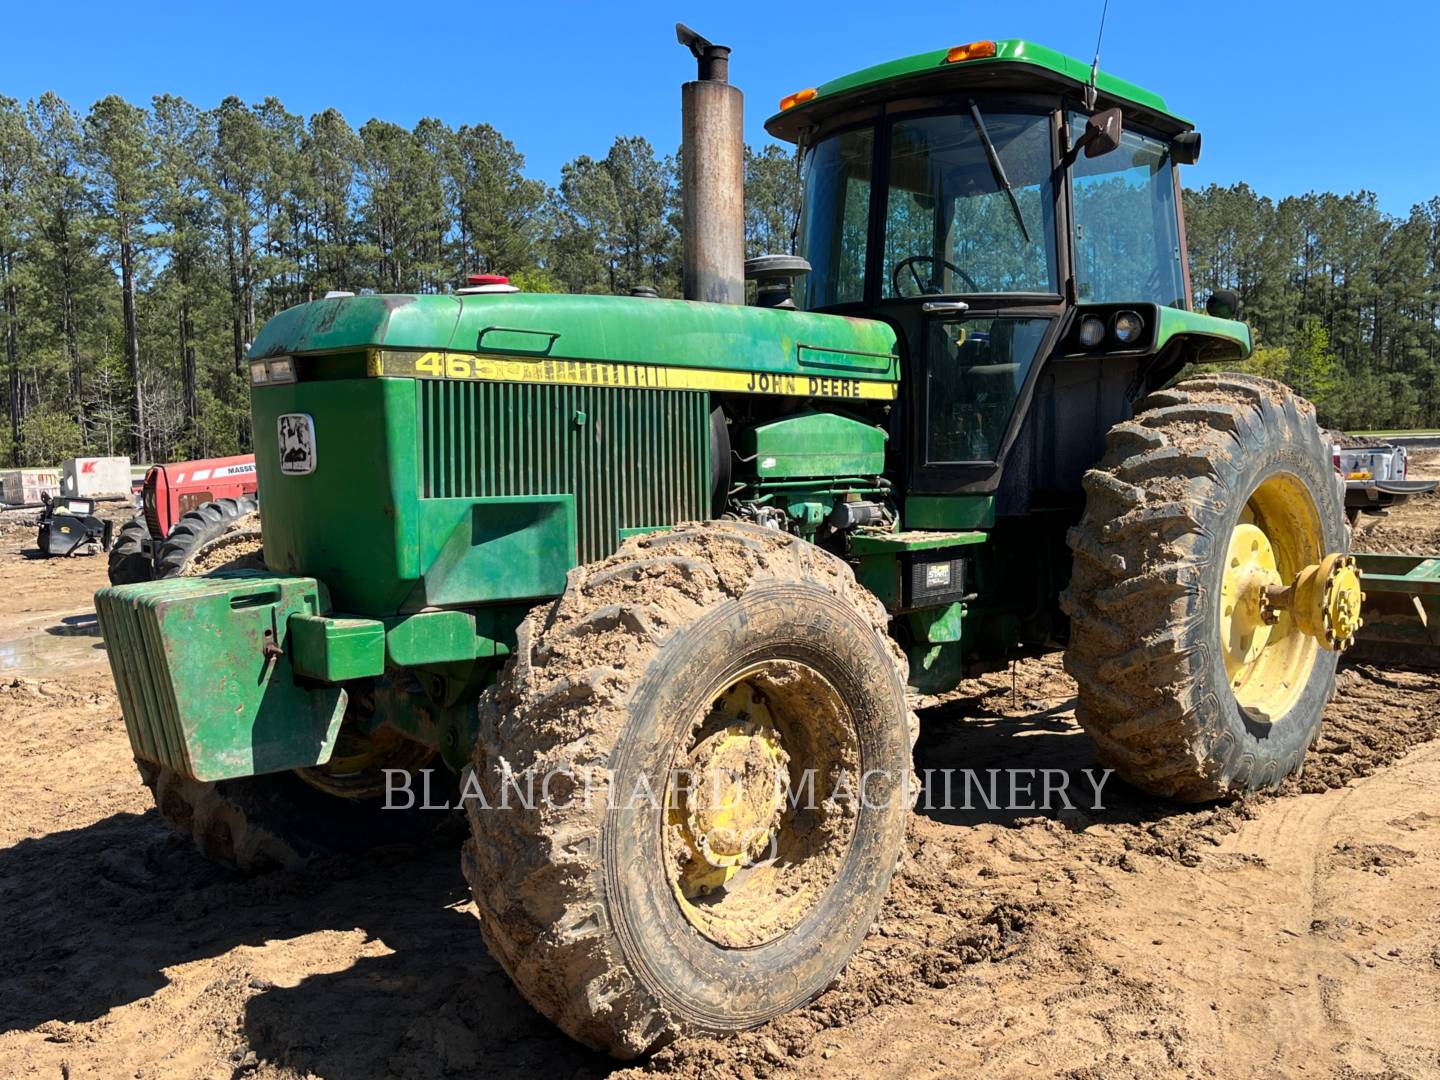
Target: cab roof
[{"x": 1009, "y": 64}]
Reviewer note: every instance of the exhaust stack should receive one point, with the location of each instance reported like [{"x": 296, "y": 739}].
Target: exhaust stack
[{"x": 712, "y": 182}]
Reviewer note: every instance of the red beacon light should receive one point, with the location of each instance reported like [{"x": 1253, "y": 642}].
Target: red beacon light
[{"x": 486, "y": 283}]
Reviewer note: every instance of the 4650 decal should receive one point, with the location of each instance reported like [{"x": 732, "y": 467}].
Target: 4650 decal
[{"x": 461, "y": 366}]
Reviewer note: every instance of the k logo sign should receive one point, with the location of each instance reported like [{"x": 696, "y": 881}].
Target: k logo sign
[{"x": 297, "y": 444}]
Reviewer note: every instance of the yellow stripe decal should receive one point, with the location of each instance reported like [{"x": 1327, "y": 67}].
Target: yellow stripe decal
[{"x": 465, "y": 366}]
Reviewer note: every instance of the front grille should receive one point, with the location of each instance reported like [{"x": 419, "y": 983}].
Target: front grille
[
  {"x": 632, "y": 458},
  {"x": 152, "y": 514}
]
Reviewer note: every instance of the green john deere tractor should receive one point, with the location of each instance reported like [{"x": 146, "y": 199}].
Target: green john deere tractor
[{"x": 642, "y": 583}]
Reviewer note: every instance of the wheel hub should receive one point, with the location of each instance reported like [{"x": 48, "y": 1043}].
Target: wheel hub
[
  {"x": 1283, "y": 601},
  {"x": 759, "y": 808},
  {"x": 1324, "y": 600},
  {"x": 1250, "y": 572},
  {"x": 732, "y": 803}
]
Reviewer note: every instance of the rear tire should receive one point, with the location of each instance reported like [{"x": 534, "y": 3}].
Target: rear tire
[
  {"x": 198, "y": 529},
  {"x": 1145, "y": 595},
  {"x": 130, "y": 560},
  {"x": 593, "y": 907}
]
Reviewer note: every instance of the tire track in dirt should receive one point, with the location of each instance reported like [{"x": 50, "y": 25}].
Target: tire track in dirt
[
  {"x": 1079, "y": 943},
  {"x": 991, "y": 933}
]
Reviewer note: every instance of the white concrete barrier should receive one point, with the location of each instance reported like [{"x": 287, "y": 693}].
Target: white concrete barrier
[{"x": 88, "y": 477}]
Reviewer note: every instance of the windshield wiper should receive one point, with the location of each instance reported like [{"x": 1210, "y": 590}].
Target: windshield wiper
[{"x": 997, "y": 169}]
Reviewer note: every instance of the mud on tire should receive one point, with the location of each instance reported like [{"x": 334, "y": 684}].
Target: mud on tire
[
  {"x": 575, "y": 900},
  {"x": 1145, "y": 650}
]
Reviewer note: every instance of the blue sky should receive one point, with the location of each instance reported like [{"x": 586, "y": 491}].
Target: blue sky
[{"x": 1291, "y": 96}]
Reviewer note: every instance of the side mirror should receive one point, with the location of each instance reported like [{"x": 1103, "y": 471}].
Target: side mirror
[
  {"x": 1223, "y": 304},
  {"x": 1185, "y": 148},
  {"x": 1102, "y": 133}
]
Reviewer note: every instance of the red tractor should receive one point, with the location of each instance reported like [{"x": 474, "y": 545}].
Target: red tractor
[{"x": 185, "y": 508}]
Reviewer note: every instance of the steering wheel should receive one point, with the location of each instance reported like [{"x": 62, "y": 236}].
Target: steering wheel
[{"x": 923, "y": 286}]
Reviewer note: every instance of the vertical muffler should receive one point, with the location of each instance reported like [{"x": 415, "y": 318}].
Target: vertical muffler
[{"x": 712, "y": 181}]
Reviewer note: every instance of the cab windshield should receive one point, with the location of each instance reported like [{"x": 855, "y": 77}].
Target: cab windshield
[{"x": 951, "y": 225}]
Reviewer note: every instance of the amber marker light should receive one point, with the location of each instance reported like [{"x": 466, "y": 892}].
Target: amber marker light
[
  {"x": 976, "y": 50},
  {"x": 797, "y": 98}
]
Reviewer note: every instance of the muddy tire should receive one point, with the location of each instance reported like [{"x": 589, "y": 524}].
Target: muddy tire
[
  {"x": 130, "y": 553},
  {"x": 198, "y": 530},
  {"x": 1148, "y": 646},
  {"x": 599, "y": 907},
  {"x": 279, "y": 822}
]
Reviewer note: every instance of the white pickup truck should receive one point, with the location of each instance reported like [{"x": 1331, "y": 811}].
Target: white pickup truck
[{"x": 1376, "y": 477}]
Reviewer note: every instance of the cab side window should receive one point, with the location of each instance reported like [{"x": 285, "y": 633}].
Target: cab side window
[{"x": 1127, "y": 232}]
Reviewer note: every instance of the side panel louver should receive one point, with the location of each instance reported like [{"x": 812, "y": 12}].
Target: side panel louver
[{"x": 632, "y": 458}]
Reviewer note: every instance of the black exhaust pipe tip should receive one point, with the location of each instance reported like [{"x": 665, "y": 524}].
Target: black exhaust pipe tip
[{"x": 714, "y": 60}]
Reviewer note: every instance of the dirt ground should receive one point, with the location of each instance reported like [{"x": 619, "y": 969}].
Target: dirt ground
[{"x": 1290, "y": 935}]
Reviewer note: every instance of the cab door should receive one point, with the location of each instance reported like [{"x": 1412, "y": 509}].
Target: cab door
[{"x": 973, "y": 380}]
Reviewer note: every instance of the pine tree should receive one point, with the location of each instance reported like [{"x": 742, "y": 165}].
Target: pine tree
[{"x": 123, "y": 171}]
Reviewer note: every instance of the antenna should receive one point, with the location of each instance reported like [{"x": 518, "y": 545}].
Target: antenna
[{"x": 1090, "y": 93}]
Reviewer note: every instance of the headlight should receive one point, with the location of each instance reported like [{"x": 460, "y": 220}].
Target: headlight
[
  {"x": 282, "y": 370},
  {"x": 1127, "y": 327},
  {"x": 258, "y": 374},
  {"x": 1092, "y": 332}
]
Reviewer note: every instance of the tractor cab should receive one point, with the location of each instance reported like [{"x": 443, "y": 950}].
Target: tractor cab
[{"x": 1017, "y": 221}]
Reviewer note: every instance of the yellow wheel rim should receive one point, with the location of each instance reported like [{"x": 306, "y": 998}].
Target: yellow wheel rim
[
  {"x": 1268, "y": 657},
  {"x": 757, "y": 821}
]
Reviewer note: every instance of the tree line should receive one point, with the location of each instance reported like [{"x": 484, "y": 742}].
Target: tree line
[
  {"x": 1343, "y": 299},
  {"x": 142, "y": 247}
]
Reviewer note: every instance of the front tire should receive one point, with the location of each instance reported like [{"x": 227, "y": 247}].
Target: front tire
[
  {"x": 282, "y": 821},
  {"x": 1183, "y": 697},
  {"x": 713, "y": 650}
]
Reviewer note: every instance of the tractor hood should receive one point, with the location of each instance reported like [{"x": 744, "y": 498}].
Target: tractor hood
[
  {"x": 421, "y": 452},
  {"x": 644, "y": 332}
]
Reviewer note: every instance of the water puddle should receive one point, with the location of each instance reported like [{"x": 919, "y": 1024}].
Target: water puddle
[{"x": 70, "y": 641}]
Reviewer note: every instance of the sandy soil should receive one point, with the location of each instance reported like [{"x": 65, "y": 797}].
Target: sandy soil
[{"x": 1292, "y": 935}]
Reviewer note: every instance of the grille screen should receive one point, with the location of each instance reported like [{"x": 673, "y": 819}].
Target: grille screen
[{"x": 632, "y": 458}]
